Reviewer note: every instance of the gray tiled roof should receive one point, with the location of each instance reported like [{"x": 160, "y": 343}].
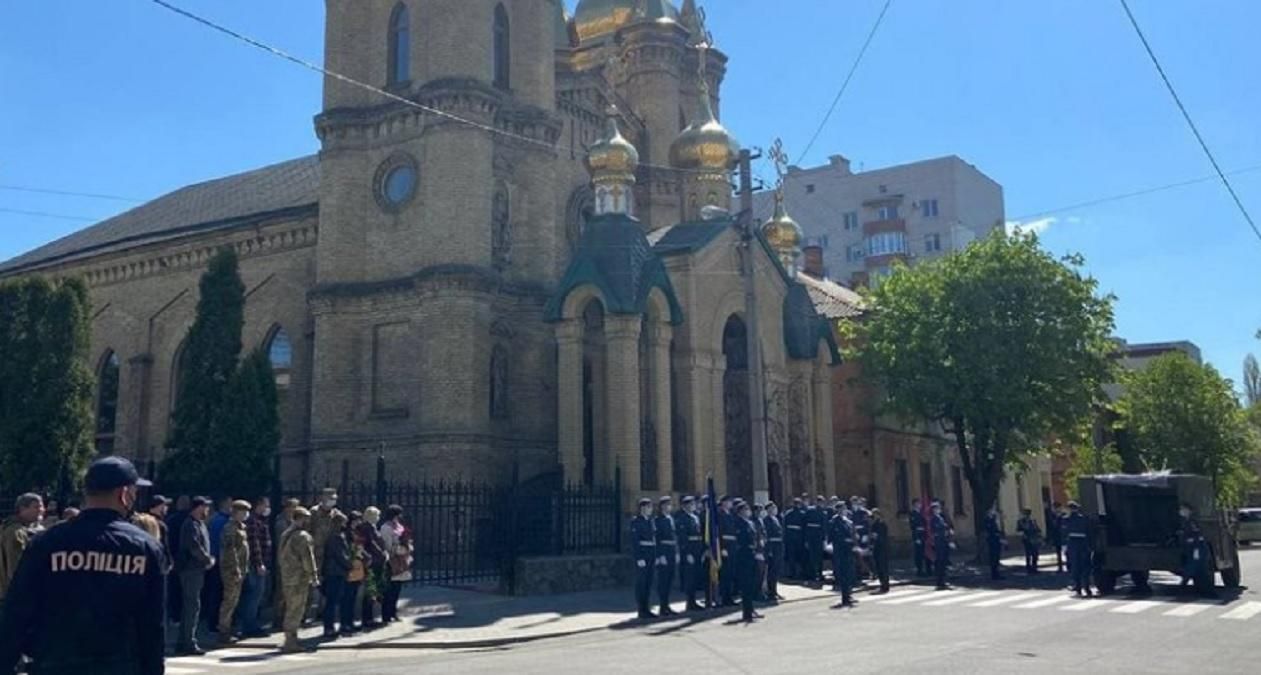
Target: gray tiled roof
[
  {"x": 222, "y": 202},
  {"x": 832, "y": 299}
]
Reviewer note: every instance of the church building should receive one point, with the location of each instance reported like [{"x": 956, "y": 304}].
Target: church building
[{"x": 516, "y": 248}]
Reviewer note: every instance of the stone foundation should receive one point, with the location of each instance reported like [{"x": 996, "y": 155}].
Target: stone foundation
[{"x": 554, "y": 574}]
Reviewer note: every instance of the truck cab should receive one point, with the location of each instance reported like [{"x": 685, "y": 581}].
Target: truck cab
[{"x": 1135, "y": 524}]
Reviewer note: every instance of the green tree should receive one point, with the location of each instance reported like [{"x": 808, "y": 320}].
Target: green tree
[
  {"x": 246, "y": 432},
  {"x": 1251, "y": 380},
  {"x": 45, "y": 383},
  {"x": 1001, "y": 343},
  {"x": 206, "y": 366},
  {"x": 1184, "y": 416},
  {"x": 1086, "y": 460}
]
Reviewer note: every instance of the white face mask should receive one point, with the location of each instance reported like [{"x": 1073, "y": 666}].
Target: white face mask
[
  {"x": 329, "y": 503},
  {"x": 646, "y": 511},
  {"x": 264, "y": 512},
  {"x": 1185, "y": 513}
]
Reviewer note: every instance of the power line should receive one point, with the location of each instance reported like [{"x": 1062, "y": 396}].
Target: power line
[
  {"x": 45, "y": 214},
  {"x": 1187, "y": 116},
  {"x": 844, "y": 85},
  {"x": 67, "y": 193}
]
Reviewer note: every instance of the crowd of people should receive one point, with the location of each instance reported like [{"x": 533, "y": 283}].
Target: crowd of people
[{"x": 214, "y": 565}]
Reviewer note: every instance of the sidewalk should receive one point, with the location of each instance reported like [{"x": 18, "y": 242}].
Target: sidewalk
[{"x": 447, "y": 618}]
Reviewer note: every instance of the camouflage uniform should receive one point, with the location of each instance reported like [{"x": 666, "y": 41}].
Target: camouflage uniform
[
  {"x": 298, "y": 574},
  {"x": 234, "y": 564},
  {"x": 321, "y": 526},
  {"x": 14, "y": 536}
]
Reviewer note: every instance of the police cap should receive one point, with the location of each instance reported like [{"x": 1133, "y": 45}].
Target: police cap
[
  {"x": 241, "y": 505},
  {"x": 328, "y": 492},
  {"x": 687, "y": 499},
  {"x": 1074, "y": 505},
  {"x": 108, "y": 473},
  {"x": 664, "y": 499},
  {"x": 770, "y": 504},
  {"x": 797, "y": 501},
  {"x": 644, "y": 501},
  {"x": 724, "y": 498}
]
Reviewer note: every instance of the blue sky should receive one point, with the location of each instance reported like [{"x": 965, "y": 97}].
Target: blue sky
[{"x": 1055, "y": 100}]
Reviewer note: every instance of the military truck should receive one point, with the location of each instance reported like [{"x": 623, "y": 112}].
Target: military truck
[{"x": 1135, "y": 521}]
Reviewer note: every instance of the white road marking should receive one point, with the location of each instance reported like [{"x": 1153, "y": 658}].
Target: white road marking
[
  {"x": 1136, "y": 606},
  {"x": 171, "y": 670},
  {"x": 1080, "y": 605},
  {"x": 959, "y": 597},
  {"x": 1047, "y": 602},
  {"x": 912, "y": 598},
  {"x": 1189, "y": 610},
  {"x": 1243, "y": 612},
  {"x": 1017, "y": 597},
  {"x": 893, "y": 594}
]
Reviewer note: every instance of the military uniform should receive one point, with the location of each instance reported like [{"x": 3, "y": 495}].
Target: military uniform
[
  {"x": 774, "y": 555},
  {"x": 727, "y": 540},
  {"x": 298, "y": 573},
  {"x": 667, "y": 558},
  {"x": 794, "y": 543},
  {"x": 644, "y": 546},
  {"x": 919, "y": 534},
  {"x": 234, "y": 565},
  {"x": 744, "y": 556},
  {"x": 880, "y": 552},
  {"x": 14, "y": 537},
  {"x": 1031, "y": 539},
  {"x": 1195, "y": 567},
  {"x": 841, "y": 533},
  {"x": 815, "y": 523},
  {"x": 941, "y": 533},
  {"x": 994, "y": 537},
  {"x": 687, "y": 527},
  {"x": 1054, "y": 535},
  {"x": 1077, "y": 532}
]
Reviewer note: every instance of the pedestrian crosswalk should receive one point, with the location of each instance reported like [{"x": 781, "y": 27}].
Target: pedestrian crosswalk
[
  {"x": 1017, "y": 600},
  {"x": 230, "y": 660}
]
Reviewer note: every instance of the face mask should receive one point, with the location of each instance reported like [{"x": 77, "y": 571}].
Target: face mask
[
  {"x": 372, "y": 518},
  {"x": 665, "y": 510},
  {"x": 645, "y": 512},
  {"x": 264, "y": 512},
  {"x": 689, "y": 507},
  {"x": 329, "y": 503},
  {"x": 773, "y": 512},
  {"x": 1185, "y": 513}
]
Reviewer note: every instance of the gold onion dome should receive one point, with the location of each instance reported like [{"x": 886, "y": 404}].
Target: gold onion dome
[
  {"x": 598, "y": 18},
  {"x": 612, "y": 156},
  {"x": 781, "y": 231},
  {"x": 705, "y": 145}
]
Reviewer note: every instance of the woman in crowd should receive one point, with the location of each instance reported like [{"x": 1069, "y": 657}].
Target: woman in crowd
[
  {"x": 355, "y": 576},
  {"x": 333, "y": 571},
  {"x": 397, "y": 544},
  {"x": 375, "y": 579}
]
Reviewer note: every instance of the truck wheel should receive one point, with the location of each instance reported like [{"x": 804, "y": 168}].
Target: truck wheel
[{"x": 1231, "y": 577}]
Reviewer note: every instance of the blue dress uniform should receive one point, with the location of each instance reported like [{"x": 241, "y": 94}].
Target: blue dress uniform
[
  {"x": 87, "y": 596},
  {"x": 774, "y": 555},
  {"x": 644, "y": 546},
  {"x": 994, "y": 543},
  {"x": 1054, "y": 538},
  {"x": 815, "y": 522},
  {"x": 919, "y": 534},
  {"x": 667, "y": 559},
  {"x": 941, "y": 547},
  {"x": 880, "y": 552},
  {"x": 744, "y": 555},
  {"x": 794, "y": 542},
  {"x": 860, "y": 517},
  {"x": 841, "y": 534},
  {"x": 727, "y": 525},
  {"x": 1077, "y": 532},
  {"x": 687, "y": 527}
]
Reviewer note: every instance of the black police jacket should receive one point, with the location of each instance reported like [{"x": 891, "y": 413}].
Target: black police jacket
[{"x": 87, "y": 598}]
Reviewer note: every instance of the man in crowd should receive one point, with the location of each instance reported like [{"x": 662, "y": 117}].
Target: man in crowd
[
  {"x": 1076, "y": 529},
  {"x": 880, "y": 549},
  {"x": 193, "y": 562},
  {"x": 844, "y": 540},
  {"x": 322, "y": 527},
  {"x": 816, "y": 521},
  {"x": 774, "y": 551},
  {"x": 234, "y": 565},
  {"x": 1055, "y": 533},
  {"x": 258, "y": 534},
  {"x": 727, "y": 541},
  {"x": 919, "y": 533},
  {"x": 943, "y": 541},
  {"x": 158, "y": 507},
  {"x": 995, "y": 539},
  {"x": 794, "y": 544},
  {"x": 1031, "y": 538},
  {"x": 16, "y": 534},
  {"x": 87, "y": 597},
  {"x": 283, "y": 521},
  {"x": 298, "y": 574},
  {"x": 212, "y": 592}
]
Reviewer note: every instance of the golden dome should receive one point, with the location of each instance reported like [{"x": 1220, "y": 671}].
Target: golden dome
[
  {"x": 612, "y": 157},
  {"x": 705, "y": 145},
  {"x": 597, "y": 18},
  {"x": 781, "y": 231}
]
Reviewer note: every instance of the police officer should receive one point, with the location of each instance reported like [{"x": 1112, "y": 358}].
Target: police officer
[
  {"x": 727, "y": 540},
  {"x": 840, "y": 533},
  {"x": 1031, "y": 538},
  {"x": 880, "y": 549},
  {"x": 942, "y": 535},
  {"x": 815, "y": 522},
  {"x": 667, "y": 554},
  {"x": 644, "y": 545},
  {"x": 794, "y": 544},
  {"x": 919, "y": 532},
  {"x": 774, "y": 551},
  {"x": 861, "y": 518},
  {"x": 87, "y": 597},
  {"x": 745, "y": 556},
  {"x": 994, "y": 540},
  {"x": 1195, "y": 551},
  {"x": 234, "y": 564},
  {"x": 1054, "y": 534},
  {"x": 687, "y": 527},
  {"x": 1077, "y": 532}
]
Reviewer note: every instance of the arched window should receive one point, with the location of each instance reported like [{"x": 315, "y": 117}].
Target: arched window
[
  {"x": 280, "y": 353},
  {"x": 503, "y": 45},
  {"x": 499, "y": 383},
  {"x": 400, "y": 45},
  {"x": 106, "y": 403}
]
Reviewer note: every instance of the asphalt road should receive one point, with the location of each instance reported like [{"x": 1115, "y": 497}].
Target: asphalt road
[{"x": 1019, "y": 625}]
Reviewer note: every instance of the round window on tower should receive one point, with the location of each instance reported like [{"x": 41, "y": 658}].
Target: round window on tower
[{"x": 396, "y": 182}]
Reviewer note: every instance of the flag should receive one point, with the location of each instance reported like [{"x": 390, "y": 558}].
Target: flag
[
  {"x": 926, "y": 510},
  {"x": 712, "y": 537}
]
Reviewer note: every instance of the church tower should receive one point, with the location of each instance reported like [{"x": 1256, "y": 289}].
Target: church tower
[{"x": 437, "y": 229}]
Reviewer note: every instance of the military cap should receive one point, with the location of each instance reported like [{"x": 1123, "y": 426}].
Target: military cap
[
  {"x": 328, "y": 492},
  {"x": 724, "y": 498},
  {"x": 796, "y": 500},
  {"x": 687, "y": 499},
  {"x": 820, "y": 498},
  {"x": 301, "y": 512},
  {"x": 664, "y": 499},
  {"x": 644, "y": 501},
  {"x": 241, "y": 505},
  {"x": 200, "y": 501},
  {"x": 292, "y": 502},
  {"x": 770, "y": 504},
  {"x": 1074, "y": 505}
]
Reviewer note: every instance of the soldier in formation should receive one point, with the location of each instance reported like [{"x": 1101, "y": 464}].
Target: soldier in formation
[
  {"x": 943, "y": 541},
  {"x": 727, "y": 541},
  {"x": 234, "y": 565},
  {"x": 880, "y": 549},
  {"x": 1030, "y": 538},
  {"x": 298, "y": 574},
  {"x": 919, "y": 536},
  {"x": 816, "y": 521},
  {"x": 644, "y": 545},
  {"x": 745, "y": 556},
  {"x": 794, "y": 541},
  {"x": 667, "y": 554},
  {"x": 774, "y": 551},
  {"x": 840, "y": 533},
  {"x": 16, "y": 534},
  {"x": 687, "y": 528}
]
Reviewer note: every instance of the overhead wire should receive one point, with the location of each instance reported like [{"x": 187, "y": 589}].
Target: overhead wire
[
  {"x": 45, "y": 214},
  {"x": 1190, "y": 123},
  {"x": 68, "y": 193}
]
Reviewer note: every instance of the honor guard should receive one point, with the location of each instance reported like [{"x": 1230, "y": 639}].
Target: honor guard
[
  {"x": 774, "y": 551},
  {"x": 995, "y": 539},
  {"x": 880, "y": 548},
  {"x": 1055, "y": 533},
  {"x": 745, "y": 556},
  {"x": 840, "y": 532},
  {"x": 1030, "y": 538},
  {"x": 727, "y": 541},
  {"x": 919, "y": 533},
  {"x": 1077, "y": 532},
  {"x": 943, "y": 535},
  {"x": 794, "y": 543},
  {"x": 667, "y": 554},
  {"x": 644, "y": 544},
  {"x": 687, "y": 527},
  {"x": 815, "y": 523}
]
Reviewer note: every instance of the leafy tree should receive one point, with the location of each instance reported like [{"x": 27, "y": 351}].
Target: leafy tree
[
  {"x": 246, "y": 431},
  {"x": 45, "y": 383},
  {"x": 1086, "y": 459},
  {"x": 1184, "y": 416},
  {"x": 1251, "y": 380},
  {"x": 1003, "y": 344},
  {"x": 206, "y": 365}
]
